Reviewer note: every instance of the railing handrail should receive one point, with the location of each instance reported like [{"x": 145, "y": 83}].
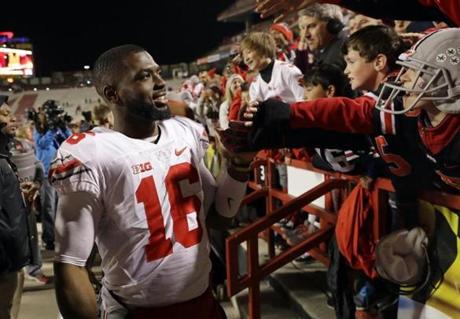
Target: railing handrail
[
  {"x": 334, "y": 180},
  {"x": 267, "y": 221}
]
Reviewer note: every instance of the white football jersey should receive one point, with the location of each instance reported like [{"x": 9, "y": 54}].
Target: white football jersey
[
  {"x": 151, "y": 233},
  {"x": 284, "y": 84}
]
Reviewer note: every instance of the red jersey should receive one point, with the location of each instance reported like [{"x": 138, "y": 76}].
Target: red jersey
[{"x": 403, "y": 142}]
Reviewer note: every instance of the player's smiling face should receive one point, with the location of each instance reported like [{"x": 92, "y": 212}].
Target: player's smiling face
[{"x": 141, "y": 88}]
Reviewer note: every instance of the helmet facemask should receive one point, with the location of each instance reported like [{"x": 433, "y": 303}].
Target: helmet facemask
[{"x": 432, "y": 83}]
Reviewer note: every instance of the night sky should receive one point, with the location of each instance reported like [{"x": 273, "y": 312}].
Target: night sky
[{"x": 171, "y": 30}]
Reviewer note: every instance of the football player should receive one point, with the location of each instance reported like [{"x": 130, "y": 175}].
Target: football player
[{"x": 142, "y": 192}]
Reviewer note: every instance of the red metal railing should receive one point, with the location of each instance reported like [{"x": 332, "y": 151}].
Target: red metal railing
[{"x": 314, "y": 243}]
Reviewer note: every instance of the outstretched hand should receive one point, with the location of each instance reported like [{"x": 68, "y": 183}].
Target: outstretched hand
[
  {"x": 281, "y": 8},
  {"x": 260, "y": 122},
  {"x": 249, "y": 113},
  {"x": 232, "y": 143},
  {"x": 235, "y": 138}
]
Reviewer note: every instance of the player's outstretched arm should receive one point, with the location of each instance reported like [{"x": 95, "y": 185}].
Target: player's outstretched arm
[{"x": 74, "y": 292}]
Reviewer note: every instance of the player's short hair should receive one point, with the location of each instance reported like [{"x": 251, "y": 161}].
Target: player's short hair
[
  {"x": 373, "y": 40},
  {"x": 260, "y": 42},
  {"x": 109, "y": 65},
  {"x": 328, "y": 74}
]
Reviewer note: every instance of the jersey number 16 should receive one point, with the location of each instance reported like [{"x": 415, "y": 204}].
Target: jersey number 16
[{"x": 159, "y": 246}]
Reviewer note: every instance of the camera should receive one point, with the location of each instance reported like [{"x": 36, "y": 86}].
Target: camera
[{"x": 49, "y": 116}]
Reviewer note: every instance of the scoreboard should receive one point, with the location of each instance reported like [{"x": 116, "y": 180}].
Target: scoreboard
[{"x": 16, "y": 58}]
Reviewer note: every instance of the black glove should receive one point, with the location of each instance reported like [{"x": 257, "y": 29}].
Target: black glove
[
  {"x": 270, "y": 125},
  {"x": 272, "y": 112}
]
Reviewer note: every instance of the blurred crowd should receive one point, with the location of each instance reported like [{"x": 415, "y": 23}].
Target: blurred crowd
[{"x": 328, "y": 51}]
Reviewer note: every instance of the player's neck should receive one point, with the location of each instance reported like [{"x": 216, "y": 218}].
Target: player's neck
[{"x": 136, "y": 129}]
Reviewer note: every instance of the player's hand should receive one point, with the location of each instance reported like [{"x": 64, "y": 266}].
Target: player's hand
[
  {"x": 280, "y": 8},
  {"x": 232, "y": 143},
  {"x": 234, "y": 139}
]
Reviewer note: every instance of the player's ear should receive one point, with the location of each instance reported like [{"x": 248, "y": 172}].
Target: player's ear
[
  {"x": 380, "y": 62},
  {"x": 110, "y": 94}
]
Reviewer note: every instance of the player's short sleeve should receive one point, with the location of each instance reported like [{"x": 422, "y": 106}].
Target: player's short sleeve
[{"x": 68, "y": 174}]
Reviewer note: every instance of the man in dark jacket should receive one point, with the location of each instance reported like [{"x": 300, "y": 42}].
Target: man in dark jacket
[
  {"x": 321, "y": 34},
  {"x": 14, "y": 239}
]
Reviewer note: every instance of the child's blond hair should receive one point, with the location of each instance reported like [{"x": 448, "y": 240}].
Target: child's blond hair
[{"x": 260, "y": 42}]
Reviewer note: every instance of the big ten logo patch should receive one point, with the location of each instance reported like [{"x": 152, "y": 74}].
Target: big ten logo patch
[{"x": 141, "y": 168}]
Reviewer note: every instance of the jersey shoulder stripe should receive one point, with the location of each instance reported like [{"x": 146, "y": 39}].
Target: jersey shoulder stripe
[{"x": 65, "y": 167}]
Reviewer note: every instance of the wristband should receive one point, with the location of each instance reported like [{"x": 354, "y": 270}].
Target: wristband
[
  {"x": 246, "y": 168},
  {"x": 238, "y": 172}
]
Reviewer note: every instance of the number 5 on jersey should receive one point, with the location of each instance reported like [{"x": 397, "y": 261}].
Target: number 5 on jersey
[{"x": 184, "y": 211}]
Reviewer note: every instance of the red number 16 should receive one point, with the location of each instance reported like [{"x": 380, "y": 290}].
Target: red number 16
[{"x": 159, "y": 246}]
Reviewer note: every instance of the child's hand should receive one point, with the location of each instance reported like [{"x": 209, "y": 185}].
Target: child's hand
[
  {"x": 249, "y": 112},
  {"x": 267, "y": 113}
]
